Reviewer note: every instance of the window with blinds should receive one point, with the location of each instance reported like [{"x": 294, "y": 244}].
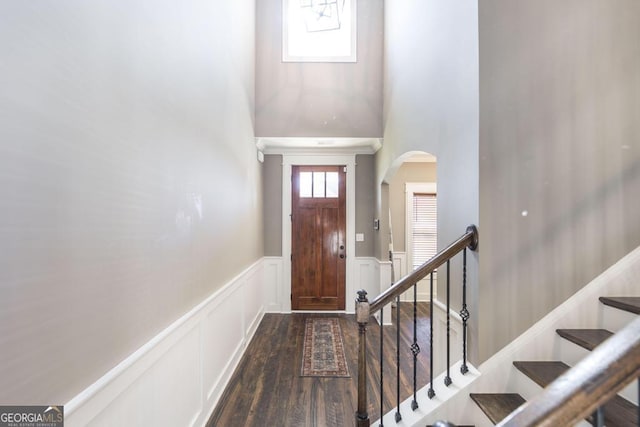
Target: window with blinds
[{"x": 424, "y": 228}]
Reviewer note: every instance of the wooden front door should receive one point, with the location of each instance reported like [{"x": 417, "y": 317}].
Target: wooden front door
[{"x": 318, "y": 239}]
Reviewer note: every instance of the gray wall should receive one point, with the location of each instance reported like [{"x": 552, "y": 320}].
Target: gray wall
[
  {"x": 364, "y": 207},
  {"x": 129, "y": 180},
  {"x": 408, "y": 172},
  {"x": 319, "y": 99},
  {"x": 365, "y": 197},
  {"x": 431, "y": 105},
  {"x": 273, "y": 205},
  {"x": 560, "y": 142},
  {"x": 431, "y": 101}
]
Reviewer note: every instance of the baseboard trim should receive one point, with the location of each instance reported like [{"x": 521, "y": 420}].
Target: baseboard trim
[{"x": 196, "y": 354}]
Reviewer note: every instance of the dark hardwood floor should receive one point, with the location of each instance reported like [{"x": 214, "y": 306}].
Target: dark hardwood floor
[{"x": 266, "y": 389}]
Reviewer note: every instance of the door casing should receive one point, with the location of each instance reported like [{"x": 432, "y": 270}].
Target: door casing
[{"x": 349, "y": 161}]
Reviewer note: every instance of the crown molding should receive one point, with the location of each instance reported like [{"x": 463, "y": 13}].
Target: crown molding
[{"x": 321, "y": 146}]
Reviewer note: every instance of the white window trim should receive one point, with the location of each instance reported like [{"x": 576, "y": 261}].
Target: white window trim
[
  {"x": 287, "y": 57},
  {"x": 412, "y": 188}
]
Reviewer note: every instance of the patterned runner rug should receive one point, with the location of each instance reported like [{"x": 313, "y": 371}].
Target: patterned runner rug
[{"x": 323, "y": 351}]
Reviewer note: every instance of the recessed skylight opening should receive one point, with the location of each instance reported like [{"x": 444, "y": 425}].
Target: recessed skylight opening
[{"x": 319, "y": 30}]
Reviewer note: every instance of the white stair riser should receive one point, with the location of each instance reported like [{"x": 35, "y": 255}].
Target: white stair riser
[
  {"x": 568, "y": 352},
  {"x": 614, "y": 319},
  {"x": 523, "y": 385},
  {"x": 571, "y": 354},
  {"x": 630, "y": 392}
]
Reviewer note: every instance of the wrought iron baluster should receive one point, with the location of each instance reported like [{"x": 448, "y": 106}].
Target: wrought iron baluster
[
  {"x": 398, "y": 416},
  {"x": 447, "y": 379},
  {"x": 364, "y": 308},
  {"x": 415, "y": 348},
  {"x": 464, "y": 313},
  {"x": 431, "y": 393},
  {"x": 381, "y": 366},
  {"x": 598, "y": 417}
]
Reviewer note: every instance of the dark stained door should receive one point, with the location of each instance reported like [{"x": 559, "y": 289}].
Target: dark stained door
[{"x": 318, "y": 240}]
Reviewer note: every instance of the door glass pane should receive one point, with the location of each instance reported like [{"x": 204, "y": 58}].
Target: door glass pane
[
  {"x": 318, "y": 184},
  {"x": 332, "y": 184},
  {"x": 305, "y": 184}
]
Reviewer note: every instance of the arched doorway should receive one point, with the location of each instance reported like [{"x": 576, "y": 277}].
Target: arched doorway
[{"x": 409, "y": 212}]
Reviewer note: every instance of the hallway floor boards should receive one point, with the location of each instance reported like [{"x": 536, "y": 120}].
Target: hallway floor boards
[{"x": 266, "y": 388}]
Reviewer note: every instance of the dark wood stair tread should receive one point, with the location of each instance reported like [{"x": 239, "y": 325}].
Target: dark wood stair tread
[
  {"x": 497, "y": 406},
  {"x": 631, "y": 304},
  {"x": 542, "y": 372},
  {"x": 586, "y": 338},
  {"x": 619, "y": 412}
]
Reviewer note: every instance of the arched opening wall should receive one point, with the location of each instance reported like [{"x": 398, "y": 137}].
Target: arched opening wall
[{"x": 431, "y": 101}]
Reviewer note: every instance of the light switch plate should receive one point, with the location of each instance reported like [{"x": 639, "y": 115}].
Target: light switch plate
[{"x": 359, "y": 237}]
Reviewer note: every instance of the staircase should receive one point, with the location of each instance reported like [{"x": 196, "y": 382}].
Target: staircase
[{"x": 619, "y": 412}]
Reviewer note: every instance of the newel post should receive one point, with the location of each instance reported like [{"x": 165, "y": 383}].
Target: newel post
[{"x": 362, "y": 317}]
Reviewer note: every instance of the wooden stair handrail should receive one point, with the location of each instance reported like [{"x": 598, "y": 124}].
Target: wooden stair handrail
[
  {"x": 588, "y": 385},
  {"x": 468, "y": 239},
  {"x": 364, "y": 310}
]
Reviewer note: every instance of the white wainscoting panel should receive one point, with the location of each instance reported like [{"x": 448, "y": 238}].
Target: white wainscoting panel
[
  {"x": 365, "y": 277},
  {"x": 273, "y": 285},
  {"x": 179, "y": 369},
  {"x": 223, "y": 324},
  {"x": 399, "y": 271},
  {"x": 177, "y": 378},
  {"x": 384, "y": 275},
  {"x": 399, "y": 265}
]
